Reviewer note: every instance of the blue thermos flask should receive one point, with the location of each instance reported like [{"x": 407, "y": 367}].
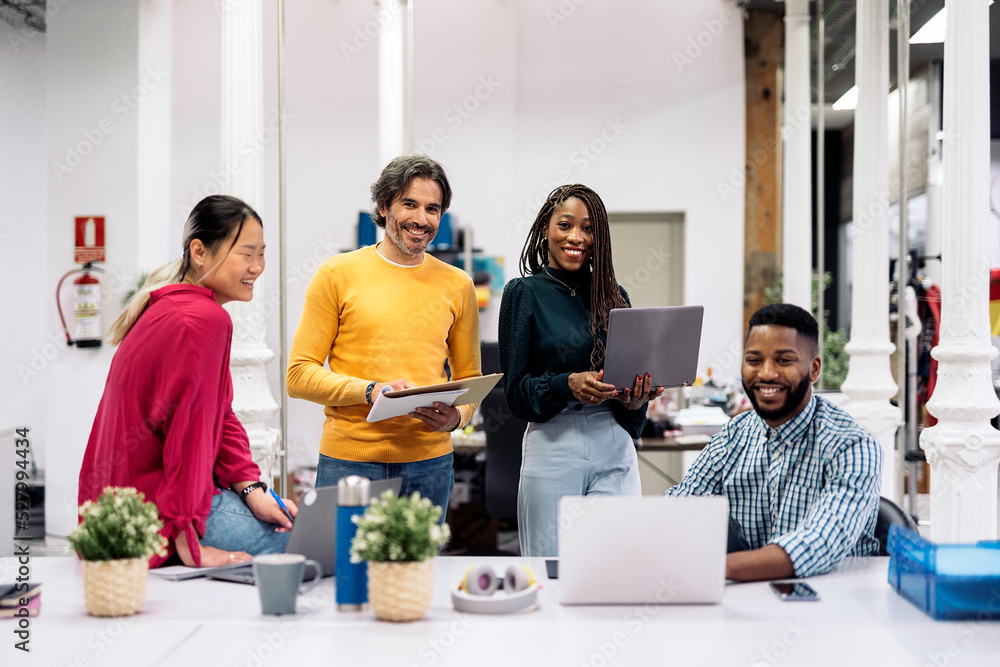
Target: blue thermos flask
[{"x": 352, "y": 578}]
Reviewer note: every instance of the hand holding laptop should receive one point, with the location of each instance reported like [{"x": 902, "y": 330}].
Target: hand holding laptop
[{"x": 588, "y": 387}]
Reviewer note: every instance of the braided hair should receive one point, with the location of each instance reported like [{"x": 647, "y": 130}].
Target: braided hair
[{"x": 604, "y": 291}]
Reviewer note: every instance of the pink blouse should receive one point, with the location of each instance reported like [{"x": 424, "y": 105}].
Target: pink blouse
[{"x": 165, "y": 424}]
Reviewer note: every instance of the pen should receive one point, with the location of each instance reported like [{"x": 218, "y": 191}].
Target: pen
[{"x": 282, "y": 506}]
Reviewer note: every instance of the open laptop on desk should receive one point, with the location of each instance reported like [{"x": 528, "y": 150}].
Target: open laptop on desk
[
  {"x": 640, "y": 550},
  {"x": 314, "y": 534},
  {"x": 662, "y": 341}
]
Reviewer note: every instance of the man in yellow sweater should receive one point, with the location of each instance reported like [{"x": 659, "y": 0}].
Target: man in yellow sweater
[{"x": 388, "y": 316}]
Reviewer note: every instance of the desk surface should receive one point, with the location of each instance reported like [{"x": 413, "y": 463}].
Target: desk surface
[
  {"x": 681, "y": 443},
  {"x": 859, "y": 621},
  {"x": 476, "y": 442}
]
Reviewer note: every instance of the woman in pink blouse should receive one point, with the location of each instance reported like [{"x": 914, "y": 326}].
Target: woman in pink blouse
[{"x": 165, "y": 424}]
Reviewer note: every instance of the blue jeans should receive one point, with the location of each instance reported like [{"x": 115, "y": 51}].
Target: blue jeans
[
  {"x": 231, "y": 526},
  {"x": 433, "y": 478}
]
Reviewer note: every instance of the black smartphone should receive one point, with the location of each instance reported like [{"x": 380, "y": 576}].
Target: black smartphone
[{"x": 794, "y": 591}]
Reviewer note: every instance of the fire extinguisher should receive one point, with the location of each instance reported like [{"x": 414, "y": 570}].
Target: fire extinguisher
[{"x": 87, "y": 329}]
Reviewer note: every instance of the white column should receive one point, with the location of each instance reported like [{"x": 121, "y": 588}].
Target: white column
[
  {"x": 869, "y": 382},
  {"x": 962, "y": 448},
  {"x": 390, "y": 81},
  {"x": 155, "y": 247},
  {"x": 243, "y": 162},
  {"x": 796, "y": 190}
]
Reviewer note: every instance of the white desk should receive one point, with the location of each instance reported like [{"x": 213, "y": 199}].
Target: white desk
[{"x": 859, "y": 621}]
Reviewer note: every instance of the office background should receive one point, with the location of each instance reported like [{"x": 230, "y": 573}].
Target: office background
[{"x": 115, "y": 111}]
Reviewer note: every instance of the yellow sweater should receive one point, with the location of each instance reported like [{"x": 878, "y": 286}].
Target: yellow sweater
[{"x": 375, "y": 321}]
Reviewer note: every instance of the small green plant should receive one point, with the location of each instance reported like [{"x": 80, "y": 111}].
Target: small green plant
[
  {"x": 120, "y": 524},
  {"x": 138, "y": 286},
  {"x": 398, "y": 529}
]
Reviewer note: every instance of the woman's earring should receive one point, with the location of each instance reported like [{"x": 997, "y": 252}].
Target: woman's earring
[{"x": 545, "y": 242}]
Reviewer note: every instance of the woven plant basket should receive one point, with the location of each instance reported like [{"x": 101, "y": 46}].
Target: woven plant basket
[
  {"x": 400, "y": 591},
  {"x": 115, "y": 587}
]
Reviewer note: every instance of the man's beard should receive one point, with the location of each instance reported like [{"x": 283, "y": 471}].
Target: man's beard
[{"x": 792, "y": 400}]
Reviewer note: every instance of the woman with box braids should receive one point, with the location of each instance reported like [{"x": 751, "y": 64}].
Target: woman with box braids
[{"x": 552, "y": 336}]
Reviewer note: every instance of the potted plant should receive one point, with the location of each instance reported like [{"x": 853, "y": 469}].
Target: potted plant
[
  {"x": 399, "y": 537},
  {"x": 116, "y": 537}
]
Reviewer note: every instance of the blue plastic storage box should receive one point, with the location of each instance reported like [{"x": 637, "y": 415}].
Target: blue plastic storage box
[{"x": 946, "y": 581}]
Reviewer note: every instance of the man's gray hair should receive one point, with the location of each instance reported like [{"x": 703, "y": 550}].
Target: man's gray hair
[{"x": 396, "y": 177}]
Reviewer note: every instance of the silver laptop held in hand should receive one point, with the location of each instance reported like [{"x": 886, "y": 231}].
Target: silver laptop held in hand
[
  {"x": 642, "y": 549},
  {"x": 662, "y": 341}
]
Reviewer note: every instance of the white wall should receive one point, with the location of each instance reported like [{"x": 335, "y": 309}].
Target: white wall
[
  {"x": 507, "y": 94},
  {"x": 23, "y": 237},
  {"x": 23, "y": 257},
  {"x": 91, "y": 117},
  {"x": 655, "y": 89}
]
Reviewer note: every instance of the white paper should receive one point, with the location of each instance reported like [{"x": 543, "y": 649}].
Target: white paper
[{"x": 385, "y": 407}]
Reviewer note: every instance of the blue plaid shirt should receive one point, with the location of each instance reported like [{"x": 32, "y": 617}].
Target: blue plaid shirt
[{"x": 811, "y": 486}]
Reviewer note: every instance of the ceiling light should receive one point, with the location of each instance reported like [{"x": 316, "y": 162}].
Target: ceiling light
[
  {"x": 933, "y": 30},
  {"x": 847, "y": 101}
]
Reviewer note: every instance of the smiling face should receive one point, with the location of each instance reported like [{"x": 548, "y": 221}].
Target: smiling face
[
  {"x": 570, "y": 236},
  {"x": 411, "y": 221},
  {"x": 779, "y": 367},
  {"x": 231, "y": 269}
]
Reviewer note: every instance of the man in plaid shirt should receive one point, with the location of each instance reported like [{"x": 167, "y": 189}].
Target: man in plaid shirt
[{"x": 802, "y": 477}]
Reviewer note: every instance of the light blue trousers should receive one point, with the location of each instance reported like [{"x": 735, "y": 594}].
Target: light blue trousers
[{"x": 581, "y": 451}]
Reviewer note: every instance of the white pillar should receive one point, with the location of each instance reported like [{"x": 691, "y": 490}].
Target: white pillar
[
  {"x": 154, "y": 128},
  {"x": 243, "y": 162},
  {"x": 796, "y": 190},
  {"x": 869, "y": 382},
  {"x": 962, "y": 448},
  {"x": 390, "y": 81}
]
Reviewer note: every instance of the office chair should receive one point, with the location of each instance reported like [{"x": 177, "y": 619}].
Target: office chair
[
  {"x": 503, "y": 455},
  {"x": 489, "y": 353},
  {"x": 888, "y": 514}
]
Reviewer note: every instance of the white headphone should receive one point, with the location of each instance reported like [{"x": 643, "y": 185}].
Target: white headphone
[{"x": 475, "y": 594}]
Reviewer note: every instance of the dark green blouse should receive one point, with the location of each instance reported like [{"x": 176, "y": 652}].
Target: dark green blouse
[{"x": 544, "y": 335}]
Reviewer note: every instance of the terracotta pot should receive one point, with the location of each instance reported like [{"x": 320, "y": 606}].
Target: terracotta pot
[
  {"x": 115, "y": 587},
  {"x": 400, "y": 591}
]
